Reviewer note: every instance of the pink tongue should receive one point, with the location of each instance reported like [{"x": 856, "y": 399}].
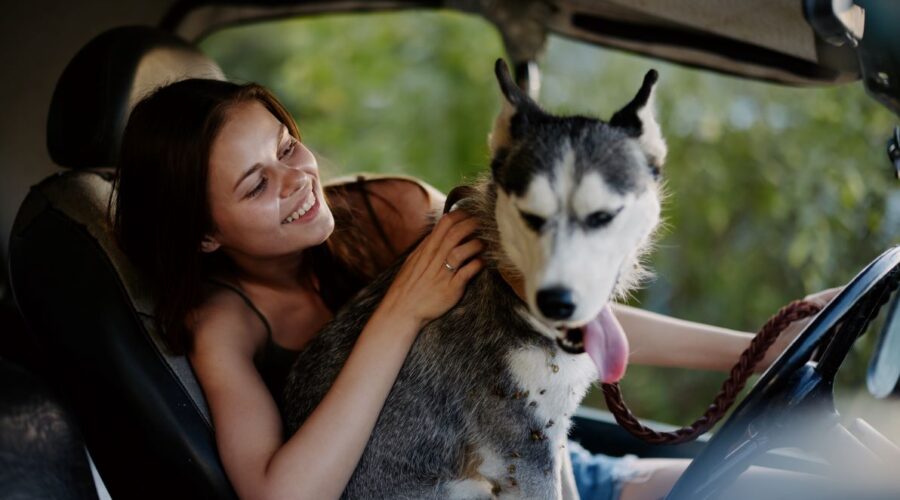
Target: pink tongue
[{"x": 605, "y": 343}]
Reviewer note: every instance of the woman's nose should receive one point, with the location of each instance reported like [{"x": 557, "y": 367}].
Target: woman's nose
[{"x": 292, "y": 179}]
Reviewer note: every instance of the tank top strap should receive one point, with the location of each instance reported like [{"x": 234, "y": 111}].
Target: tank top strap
[
  {"x": 273, "y": 361},
  {"x": 250, "y": 304},
  {"x": 361, "y": 186}
]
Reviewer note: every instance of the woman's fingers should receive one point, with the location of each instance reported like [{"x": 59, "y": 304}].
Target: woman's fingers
[
  {"x": 432, "y": 279},
  {"x": 443, "y": 226},
  {"x": 446, "y": 235},
  {"x": 425, "y": 251},
  {"x": 460, "y": 231},
  {"x": 465, "y": 273},
  {"x": 459, "y": 255}
]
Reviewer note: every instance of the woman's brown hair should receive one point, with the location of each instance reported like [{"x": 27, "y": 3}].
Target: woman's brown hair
[{"x": 162, "y": 206}]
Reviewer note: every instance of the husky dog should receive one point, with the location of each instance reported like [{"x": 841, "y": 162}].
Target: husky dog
[{"x": 483, "y": 402}]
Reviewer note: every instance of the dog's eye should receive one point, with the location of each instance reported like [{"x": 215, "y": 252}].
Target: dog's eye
[
  {"x": 599, "y": 218},
  {"x": 533, "y": 221}
]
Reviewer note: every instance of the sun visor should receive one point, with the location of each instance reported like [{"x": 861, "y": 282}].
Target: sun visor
[
  {"x": 763, "y": 39},
  {"x": 103, "y": 82}
]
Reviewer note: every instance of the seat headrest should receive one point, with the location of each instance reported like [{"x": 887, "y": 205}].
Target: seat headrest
[{"x": 103, "y": 82}]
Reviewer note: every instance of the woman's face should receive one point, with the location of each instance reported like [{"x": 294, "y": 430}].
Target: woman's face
[{"x": 264, "y": 188}]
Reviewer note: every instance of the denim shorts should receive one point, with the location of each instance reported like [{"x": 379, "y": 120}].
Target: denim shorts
[{"x": 599, "y": 477}]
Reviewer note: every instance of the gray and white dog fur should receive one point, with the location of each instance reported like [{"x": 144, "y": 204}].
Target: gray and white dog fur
[{"x": 482, "y": 405}]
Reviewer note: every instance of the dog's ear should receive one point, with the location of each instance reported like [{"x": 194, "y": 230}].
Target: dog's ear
[
  {"x": 517, "y": 108},
  {"x": 638, "y": 120}
]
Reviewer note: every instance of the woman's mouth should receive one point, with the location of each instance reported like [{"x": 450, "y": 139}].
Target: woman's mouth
[{"x": 307, "y": 210}]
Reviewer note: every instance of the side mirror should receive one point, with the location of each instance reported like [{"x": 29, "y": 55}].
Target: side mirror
[{"x": 883, "y": 378}]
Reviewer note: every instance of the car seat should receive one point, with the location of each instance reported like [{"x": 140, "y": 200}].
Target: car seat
[{"x": 141, "y": 411}]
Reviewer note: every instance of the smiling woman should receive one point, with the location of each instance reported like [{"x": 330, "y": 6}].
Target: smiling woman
[
  {"x": 221, "y": 206},
  {"x": 173, "y": 259},
  {"x": 249, "y": 173}
]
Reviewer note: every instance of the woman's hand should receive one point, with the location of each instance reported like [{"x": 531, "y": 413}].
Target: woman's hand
[
  {"x": 790, "y": 333},
  {"x": 435, "y": 274}
]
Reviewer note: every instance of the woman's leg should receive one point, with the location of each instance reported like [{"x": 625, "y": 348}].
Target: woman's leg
[{"x": 598, "y": 476}]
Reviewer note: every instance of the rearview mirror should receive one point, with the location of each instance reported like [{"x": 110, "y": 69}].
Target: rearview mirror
[{"x": 883, "y": 378}]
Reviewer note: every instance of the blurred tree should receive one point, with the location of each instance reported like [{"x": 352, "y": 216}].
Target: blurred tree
[
  {"x": 774, "y": 192},
  {"x": 382, "y": 93}
]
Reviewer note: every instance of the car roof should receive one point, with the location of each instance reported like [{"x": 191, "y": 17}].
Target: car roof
[{"x": 764, "y": 39}]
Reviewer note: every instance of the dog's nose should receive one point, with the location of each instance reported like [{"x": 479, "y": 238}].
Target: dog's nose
[{"x": 556, "y": 303}]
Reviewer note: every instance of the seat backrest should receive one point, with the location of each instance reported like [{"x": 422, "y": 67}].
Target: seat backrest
[{"x": 142, "y": 413}]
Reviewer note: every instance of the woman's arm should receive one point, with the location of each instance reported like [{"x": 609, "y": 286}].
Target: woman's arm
[
  {"x": 318, "y": 460},
  {"x": 660, "y": 340}
]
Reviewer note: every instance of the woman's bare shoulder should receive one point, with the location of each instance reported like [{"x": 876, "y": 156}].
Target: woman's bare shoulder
[
  {"x": 405, "y": 195},
  {"x": 224, "y": 320},
  {"x": 404, "y": 192},
  {"x": 404, "y": 208},
  {"x": 403, "y": 205}
]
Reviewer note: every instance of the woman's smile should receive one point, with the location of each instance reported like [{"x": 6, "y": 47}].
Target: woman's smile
[{"x": 307, "y": 210}]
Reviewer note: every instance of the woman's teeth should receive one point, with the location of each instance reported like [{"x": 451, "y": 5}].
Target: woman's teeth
[{"x": 309, "y": 202}]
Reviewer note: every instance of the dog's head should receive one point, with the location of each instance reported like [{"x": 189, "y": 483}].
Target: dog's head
[{"x": 577, "y": 202}]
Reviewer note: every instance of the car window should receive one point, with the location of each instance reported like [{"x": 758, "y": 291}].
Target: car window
[
  {"x": 399, "y": 92},
  {"x": 773, "y": 191}
]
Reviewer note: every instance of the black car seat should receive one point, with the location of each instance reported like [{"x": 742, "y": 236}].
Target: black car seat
[{"x": 141, "y": 411}]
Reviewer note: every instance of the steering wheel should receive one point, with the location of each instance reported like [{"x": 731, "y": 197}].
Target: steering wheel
[{"x": 793, "y": 399}]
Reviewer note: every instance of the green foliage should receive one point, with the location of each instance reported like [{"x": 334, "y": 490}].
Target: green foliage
[
  {"x": 410, "y": 93},
  {"x": 774, "y": 192}
]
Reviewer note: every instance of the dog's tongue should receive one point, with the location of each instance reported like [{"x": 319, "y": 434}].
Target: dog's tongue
[{"x": 605, "y": 343}]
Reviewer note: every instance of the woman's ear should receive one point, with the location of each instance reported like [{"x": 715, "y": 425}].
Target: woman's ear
[{"x": 209, "y": 244}]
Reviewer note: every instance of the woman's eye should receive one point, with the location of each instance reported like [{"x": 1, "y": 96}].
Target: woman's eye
[
  {"x": 600, "y": 218},
  {"x": 533, "y": 221},
  {"x": 289, "y": 149},
  {"x": 260, "y": 187}
]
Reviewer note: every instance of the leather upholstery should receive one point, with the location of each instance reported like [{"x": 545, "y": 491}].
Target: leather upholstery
[
  {"x": 104, "y": 81},
  {"x": 140, "y": 408}
]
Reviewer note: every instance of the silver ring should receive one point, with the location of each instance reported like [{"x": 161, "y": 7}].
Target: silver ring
[{"x": 449, "y": 267}]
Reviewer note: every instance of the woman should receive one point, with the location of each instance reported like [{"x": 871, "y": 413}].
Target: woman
[{"x": 221, "y": 205}]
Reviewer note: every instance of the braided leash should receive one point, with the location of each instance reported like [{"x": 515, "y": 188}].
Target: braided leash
[{"x": 741, "y": 371}]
